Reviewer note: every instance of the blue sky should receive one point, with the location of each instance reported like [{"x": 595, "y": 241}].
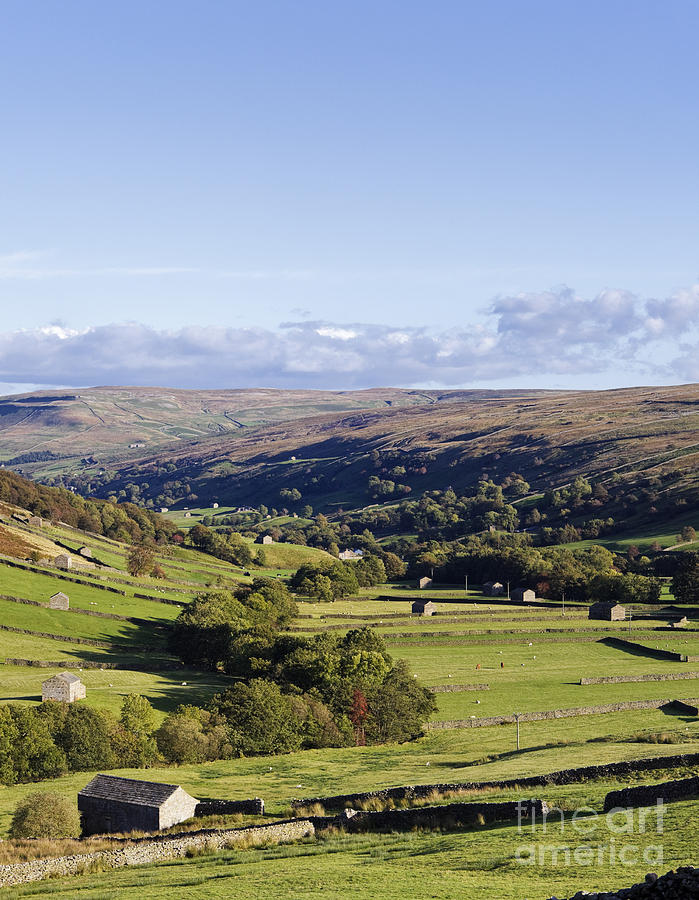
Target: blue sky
[{"x": 454, "y": 193}]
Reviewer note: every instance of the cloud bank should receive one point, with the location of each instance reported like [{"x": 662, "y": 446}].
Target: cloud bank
[{"x": 552, "y": 333}]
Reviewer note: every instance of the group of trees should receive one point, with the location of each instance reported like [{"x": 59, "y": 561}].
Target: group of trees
[
  {"x": 230, "y": 546},
  {"x": 119, "y": 521},
  {"x": 301, "y": 693},
  {"x": 552, "y": 571},
  {"x": 334, "y": 580},
  {"x": 291, "y": 692},
  {"x": 53, "y": 738},
  {"x": 685, "y": 582}
]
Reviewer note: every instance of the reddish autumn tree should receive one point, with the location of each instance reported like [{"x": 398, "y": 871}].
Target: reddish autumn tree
[{"x": 359, "y": 710}]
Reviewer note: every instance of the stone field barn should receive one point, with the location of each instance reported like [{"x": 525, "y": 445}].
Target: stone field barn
[
  {"x": 110, "y": 804},
  {"x": 64, "y": 687}
]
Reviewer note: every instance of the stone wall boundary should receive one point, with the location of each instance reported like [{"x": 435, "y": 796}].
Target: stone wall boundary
[
  {"x": 571, "y": 712},
  {"x": 14, "y": 564},
  {"x": 166, "y": 600},
  {"x": 594, "y": 631},
  {"x": 643, "y": 650},
  {"x": 214, "y": 807},
  {"x": 447, "y": 816},
  {"x": 155, "y": 850},
  {"x": 650, "y": 794},
  {"x": 457, "y": 688},
  {"x": 561, "y": 777},
  {"x": 92, "y": 664},
  {"x": 485, "y": 642},
  {"x": 68, "y": 639},
  {"x": 623, "y": 679},
  {"x": 77, "y": 610}
]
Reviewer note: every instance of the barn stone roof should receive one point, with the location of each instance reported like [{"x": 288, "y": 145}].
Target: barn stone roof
[
  {"x": 128, "y": 790},
  {"x": 68, "y": 677}
]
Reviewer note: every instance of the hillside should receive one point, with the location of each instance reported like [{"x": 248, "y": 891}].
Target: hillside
[
  {"x": 48, "y": 432},
  {"x": 642, "y": 438}
]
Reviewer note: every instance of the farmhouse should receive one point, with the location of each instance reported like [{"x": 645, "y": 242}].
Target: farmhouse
[
  {"x": 111, "y": 804},
  {"x": 423, "y": 608},
  {"x": 607, "y": 610},
  {"x": 264, "y": 539},
  {"x": 63, "y": 561},
  {"x": 59, "y": 601},
  {"x": 350, "y": 554},
  {"x": 64, "y": 687},
  {"x": 424, "y": 582},
  {"x": 493, "y": 589},
  {"x": 522, "y": 595}
]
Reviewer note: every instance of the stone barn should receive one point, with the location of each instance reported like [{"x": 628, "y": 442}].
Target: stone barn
[
  {"x": 86, "y": 552},
  {"x": 493, "y": 589},
  {"x": 264, "y": 539},
  {"x": 64, "y": 687},
  {"x": 59, "y": 601},
  {"x": 423, "y": 608},
  {"x": 63, "y": 561},
  {"x": 110, "y": 804},
  {"x": 607, "y": 611},
  {"x": 523, "y": 595},
  {"x": 36, "y": 521},
  {"x": 424, "y": 582}
]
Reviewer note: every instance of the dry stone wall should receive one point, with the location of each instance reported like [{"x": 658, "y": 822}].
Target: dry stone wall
[
  {"x": 457, "y": 688},
  {"x": 451, "y": 815},
  {"x": 680, "y": 885},
  {"x": 623, "y": 679},
  {"x": 156, "y": 850},
  {"x": 53, "y": 574},
  {"x": 649, "y": 794},
  {"x": 643, "y": 650},
  {"x": 225, "y": 807},
  {"x": 488, "y": 642},
  {"x": 76, "y": 610},
  {"x": 486, "y": 721},
  {"x": 563, "y": 776},
  {"x": 93, "y": 664}
]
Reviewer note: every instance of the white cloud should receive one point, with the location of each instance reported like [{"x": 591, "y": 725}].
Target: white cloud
[{"x": 552, "y": 334}]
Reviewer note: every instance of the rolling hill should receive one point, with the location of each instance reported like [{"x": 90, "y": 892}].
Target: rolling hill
[
  {"x": 50, "y": 432},
  {"x": 645, "y": 437}
]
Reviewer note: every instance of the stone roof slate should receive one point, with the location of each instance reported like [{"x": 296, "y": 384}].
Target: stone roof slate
[
  {"x": 68, "y": 677},
  {"x": 128, "y": 790}
]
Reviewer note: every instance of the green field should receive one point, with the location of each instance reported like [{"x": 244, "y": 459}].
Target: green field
[
  {"x": 469, "y": 864},
  {"x": 107, "y": 688},
  {"x": 525, "y": 668},
  {"x": 478, "y": 862}
]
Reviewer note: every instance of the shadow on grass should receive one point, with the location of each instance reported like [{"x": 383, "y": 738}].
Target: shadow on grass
[{"x": 506, "y": 754}]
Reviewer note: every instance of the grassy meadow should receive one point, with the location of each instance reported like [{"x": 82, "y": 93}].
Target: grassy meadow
[{"x": 528, "y": 656}]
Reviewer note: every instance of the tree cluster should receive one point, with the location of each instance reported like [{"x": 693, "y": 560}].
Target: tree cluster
[
  {"x": 53, "y": 738},
  {"x": 299, "y": 693},
  {"x": 119, "y": 521}
]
